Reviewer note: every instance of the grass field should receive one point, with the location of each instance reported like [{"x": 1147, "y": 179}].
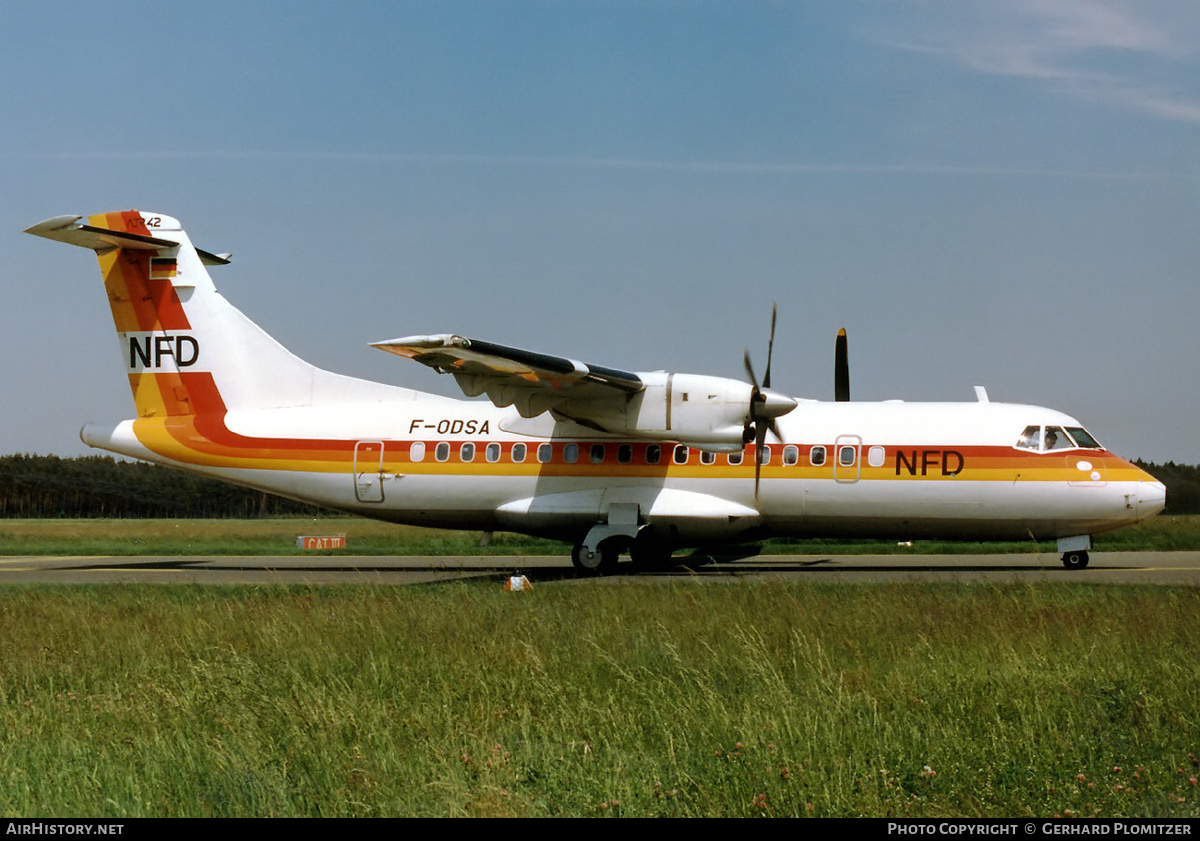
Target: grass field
[
  {"x": 677, "y": 699},
  {"x": 590, "y": 698},
  {"x": 369, "y": 537}
]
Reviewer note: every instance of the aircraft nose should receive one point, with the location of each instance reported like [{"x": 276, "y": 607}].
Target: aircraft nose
[{"x": 1152, "y": 498}]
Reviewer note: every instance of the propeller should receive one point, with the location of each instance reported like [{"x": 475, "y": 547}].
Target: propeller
[
  {"x": 765, "y": 405},
  {"x": 841, "y": 369}
]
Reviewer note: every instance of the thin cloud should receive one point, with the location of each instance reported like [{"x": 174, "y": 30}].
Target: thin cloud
[
  {"x": 701, "y": 167},
  {"x": 769, "y": 168},
  {"x": 1108, "y": 53}
]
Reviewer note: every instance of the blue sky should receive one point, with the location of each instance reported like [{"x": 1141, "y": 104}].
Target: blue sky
[{"x": 982, "y": 192}]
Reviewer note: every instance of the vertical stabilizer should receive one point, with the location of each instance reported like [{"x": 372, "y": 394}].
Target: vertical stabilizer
[{"x": 186, "y": 350}]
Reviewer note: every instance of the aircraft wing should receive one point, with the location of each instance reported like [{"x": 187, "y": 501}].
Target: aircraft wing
[{"x": 532, "y": 382}]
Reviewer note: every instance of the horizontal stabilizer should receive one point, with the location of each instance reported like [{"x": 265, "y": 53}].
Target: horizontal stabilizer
[
  {"x": 68, "y": 229},
  {"x": 71, "y": 230}
]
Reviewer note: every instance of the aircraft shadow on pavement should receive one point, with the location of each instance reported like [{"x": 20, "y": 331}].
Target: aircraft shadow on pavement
[{"x": 732, "y": 561}]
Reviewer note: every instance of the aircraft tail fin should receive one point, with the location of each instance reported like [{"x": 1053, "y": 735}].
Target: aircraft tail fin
[{"x": 186, "y": 349}]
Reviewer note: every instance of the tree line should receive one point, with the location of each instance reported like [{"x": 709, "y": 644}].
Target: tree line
[
  {"x": 102, "y": 486},
  {"x": 1183, "y": 484}
]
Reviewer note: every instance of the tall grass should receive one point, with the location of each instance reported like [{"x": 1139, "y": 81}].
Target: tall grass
[{"x": 600, "y": 698}]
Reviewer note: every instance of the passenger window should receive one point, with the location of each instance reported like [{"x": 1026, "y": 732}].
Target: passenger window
[
  {"x": 817, "y": 456},
  {"x": 625, "y": 453},
  {"x": 876, "y": 456},
  {"x": 681, "y": 454},
  {"x": 707, "y": 458},
  {"x": 417, "y": 451},
  {"x": 518, "y": 453},
  {"x": 735, "y": 458},
  {"x": 545, "y": 453},
  {"x": 492, "y": 453},
  {"x": 597, "y": 454},
  {"x": 791, "y": 454},
  {"x": 846, "y": 456},
  {"x": 766, "y": 454},
  {"x": 653, "y": 454},
  {"x": 442, "y": 451},
  {"x": 467, "y": 452},
  {"x": 571, "y": 453}
]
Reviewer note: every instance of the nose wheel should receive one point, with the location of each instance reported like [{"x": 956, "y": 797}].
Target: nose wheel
[{"x": 1075, "y": 560}]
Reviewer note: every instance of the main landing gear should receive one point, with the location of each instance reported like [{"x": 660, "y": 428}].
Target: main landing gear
[
  {"x": 647, "y": 552},
  {"x": 600, "y": 561}
]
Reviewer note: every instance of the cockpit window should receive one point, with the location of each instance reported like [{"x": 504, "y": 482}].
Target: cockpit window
[
  {"x": 1031, "y": 438},
  {"x": 1083, "y": 439},
  {"x": 1057, "y": 438}
]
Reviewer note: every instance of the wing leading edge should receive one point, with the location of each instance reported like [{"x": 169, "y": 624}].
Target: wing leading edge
[{"x": 532, "y": 382}]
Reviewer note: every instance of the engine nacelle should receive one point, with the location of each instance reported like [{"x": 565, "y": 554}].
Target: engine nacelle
[{"x": 710, "y": 413}]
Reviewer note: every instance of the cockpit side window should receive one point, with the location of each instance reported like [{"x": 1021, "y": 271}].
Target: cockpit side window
[{"x": 1031, "y": 438}]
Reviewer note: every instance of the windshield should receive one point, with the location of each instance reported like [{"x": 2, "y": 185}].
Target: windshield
[
  {"x": 1083, "y": 439},
  {"x": 1056, "y": 438}
]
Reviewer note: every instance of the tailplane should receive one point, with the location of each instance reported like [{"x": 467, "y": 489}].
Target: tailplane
[{"x": 186, "y": 349}]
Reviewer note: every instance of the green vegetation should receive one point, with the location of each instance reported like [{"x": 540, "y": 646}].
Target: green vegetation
[
  {"x": 102, "y": 486},
  {"x": 277, "y": 536},
  {"x": 1183, "y": 485},
  {"x": 600, "y": 698}
]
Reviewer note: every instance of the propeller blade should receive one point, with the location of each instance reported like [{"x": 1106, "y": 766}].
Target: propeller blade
[
  {"x": 760, "y": 442},
  {"x": 750, "y": 373},
  {"x": 770, "y": 348},
  {"x": 765, "y": 405},
  {"x": 841, "y": 368}
]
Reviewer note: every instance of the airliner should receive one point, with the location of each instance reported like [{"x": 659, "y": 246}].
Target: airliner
[{"x": 613, "y": 462}]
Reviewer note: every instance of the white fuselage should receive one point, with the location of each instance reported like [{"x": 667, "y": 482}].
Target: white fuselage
[{"x": 897, "y": 470}]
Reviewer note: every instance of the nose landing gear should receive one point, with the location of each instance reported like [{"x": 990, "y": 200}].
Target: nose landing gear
[
  {"x": 1075, "y": 560},
  {"x": 1075, "y": 550}
]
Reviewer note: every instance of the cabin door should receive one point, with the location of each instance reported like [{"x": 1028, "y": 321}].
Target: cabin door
[{"x": 368, "y": 471}]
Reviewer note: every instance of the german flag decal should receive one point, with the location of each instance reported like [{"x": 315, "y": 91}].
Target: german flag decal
[{"x": 162, "y": 268}]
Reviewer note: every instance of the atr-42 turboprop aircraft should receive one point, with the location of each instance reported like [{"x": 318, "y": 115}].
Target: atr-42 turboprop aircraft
[{"x": 612, "y": 461}]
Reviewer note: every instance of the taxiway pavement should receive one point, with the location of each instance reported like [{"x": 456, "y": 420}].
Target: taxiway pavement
[{"x": 1106, "y": 567}]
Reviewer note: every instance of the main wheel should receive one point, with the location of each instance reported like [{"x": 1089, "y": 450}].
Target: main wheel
[
  {"x": 1075, "y": 560},
  {"x": 649, "y": 553},
  {"x": 601, "y": 562}
]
